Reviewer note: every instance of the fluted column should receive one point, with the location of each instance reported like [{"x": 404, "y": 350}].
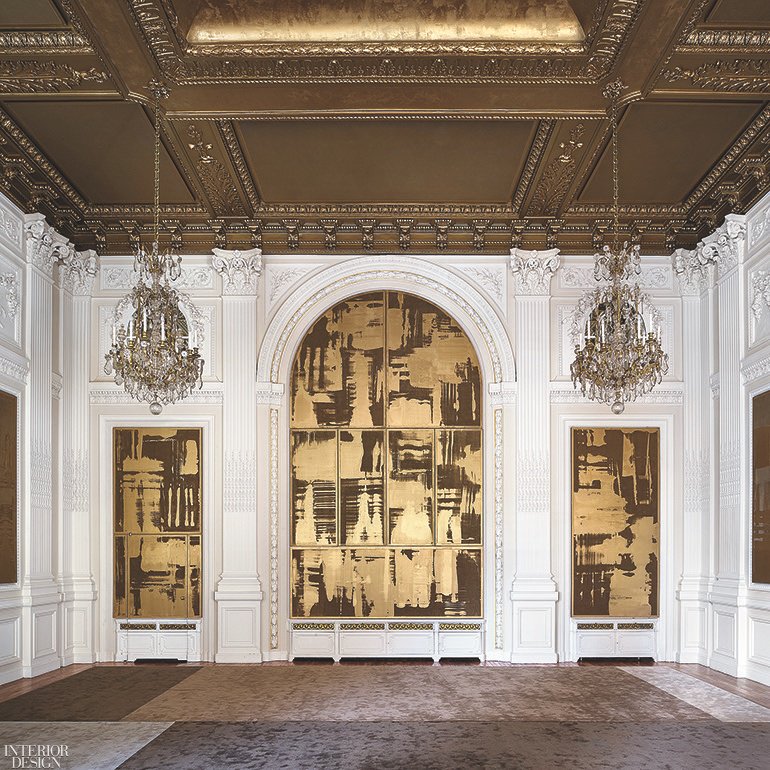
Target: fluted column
[
  {"x": 40, "y": 594},
  {"x": 534, "y": 592},
  {"x": 77, "y": 273},
  {"x": 692, "y": 592},
  {"x": 239, "y": 592}
]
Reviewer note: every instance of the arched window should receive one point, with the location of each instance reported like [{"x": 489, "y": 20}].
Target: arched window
[{"x": 386, "y": 463}]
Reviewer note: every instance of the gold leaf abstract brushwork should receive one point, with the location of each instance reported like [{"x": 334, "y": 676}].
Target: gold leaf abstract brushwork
[
  {"x": 386, "y": 463},
  {"x": 615, "y": 521},
  {"x": 760, "y": 482},
  {"x": 157, "y": 519},
  {"x": 8, "y": 489}
]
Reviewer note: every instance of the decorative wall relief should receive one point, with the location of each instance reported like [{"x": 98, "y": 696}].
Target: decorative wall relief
[
  {"x": 157, "y": 519},
  {"x": 9, "y": 515},
  {"x": 760, "y": 488},
  {"x": 615, "y": 521},
  {"x": 386, "y": 460}
]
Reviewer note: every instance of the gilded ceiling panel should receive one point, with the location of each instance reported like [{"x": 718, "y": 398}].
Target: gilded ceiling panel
[{"x": 251, "y": 21}]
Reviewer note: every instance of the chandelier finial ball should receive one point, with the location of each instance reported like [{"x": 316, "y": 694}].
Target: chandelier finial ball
[
  {"x": 618, "y": 407},
  {"x": 155, "y": 408}
]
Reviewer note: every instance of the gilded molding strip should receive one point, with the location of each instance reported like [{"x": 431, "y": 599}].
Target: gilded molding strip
[
  {"x": 44, "y": 42},
  {"x": 410, "y": 626},
  {"x": 635, "y": 626},
  {"x": 30, "y": 76},
  {"x": 459, "y": 626},
  {"x": 312, "y": 626},
  {"x": 274, "y": 482},
  {"x": 362, "y": 626},
  {"x": 178, "y": 627},
  {"x": 558, "y": 175},
  {"x": 534, "y": 156},
  {"x": 595, "y": 626},
  {"x": 227, "y": 132},
  {"x": 138, "y": 626}
]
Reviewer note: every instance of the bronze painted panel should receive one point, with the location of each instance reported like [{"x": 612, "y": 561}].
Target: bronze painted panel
[
  {"x": 157, "y": 503},
  {"x": 9, "y": 513},
  {"x": 615, "y": 521},
  {"x": 433, "y": 371},
  {"x": 382, "y": 518},
  {"x": 314, "y": 487},
  {"x": 458, "y": 487},
  {"x": 760, "y": 483},
  {"x": 362, "y": 494},
  {"x": 338, "y": 373},
  {"x": 410, "y": 487},
  {"x": 386, "y": 582}
]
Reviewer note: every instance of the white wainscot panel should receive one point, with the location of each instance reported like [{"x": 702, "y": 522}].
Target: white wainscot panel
[
  {"x": 694, "y": 626},
  {"x": 759, "y": 638},
  {"x": 313, "y": 644},
  {"x": 162, "y": 640},
  {"x": 44, "y": 633},
  {"x": 75, "y": 627},
  {"x": 615, "y": 639},
  {"x": 404, "y": 644},
  {"x": 363, "y": 644},
  {"x": 10, "y": 651},
  {"x": 459, "y": 644},
  {"x": 724, "y": 633}
]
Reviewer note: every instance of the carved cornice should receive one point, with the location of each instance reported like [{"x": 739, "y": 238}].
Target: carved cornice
[
  {"x": 78, "y": 271},
  {"x": 118, "y": 396},
  {"x": 533, "y": 270},
  {"x": 240, "y": 270}
]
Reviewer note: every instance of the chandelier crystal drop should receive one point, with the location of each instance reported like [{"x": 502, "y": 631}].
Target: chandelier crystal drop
[
  {"x": 618, "y": 351},
  {"x": 154, "y": 353}
]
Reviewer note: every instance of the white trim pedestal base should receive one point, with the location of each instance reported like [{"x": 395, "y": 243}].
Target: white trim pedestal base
[{"x": 387, "y": 639}]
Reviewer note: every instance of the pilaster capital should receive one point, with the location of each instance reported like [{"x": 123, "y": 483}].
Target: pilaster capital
[
  {"x": 533, "y": 270},
  {"x": 78, "y": 271},
  {"x": 240, "y": 270},
  {"x": 44, "y": 247},
  {"x": 692, "y": 268},
  {"x": 724, "y": 246}
]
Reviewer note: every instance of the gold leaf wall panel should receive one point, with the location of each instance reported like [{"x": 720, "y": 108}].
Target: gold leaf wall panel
[
  {"x": 157, "y": 522},
  {"x": 9, "y": 516},
  {"x": 386, "y": 463},
  {"x": 615, "y": 521},
  {"x": 760, "y": 481}
]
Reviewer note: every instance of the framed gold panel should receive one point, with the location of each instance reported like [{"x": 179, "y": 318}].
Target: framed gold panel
[
  {"x": 9, "y": 482},
  {"x": 157, "y": 518},
  {"x": 615, "y": 521},
  {"x": 760, "y": 489},
  {"x": 386, "y": 503}
]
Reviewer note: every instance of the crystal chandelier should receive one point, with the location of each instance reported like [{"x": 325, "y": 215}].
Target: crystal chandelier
[
  {"x": 154, "y": 352},
  {"x": 618, "y": 352}
]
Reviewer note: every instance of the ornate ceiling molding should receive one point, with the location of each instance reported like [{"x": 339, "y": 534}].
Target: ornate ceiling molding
[
  {"x": 740, "y": 75},
  {"x": 44, "y": 42},
  {"x": 30, "y": 76},
  {"x": 401, "y": 61}
]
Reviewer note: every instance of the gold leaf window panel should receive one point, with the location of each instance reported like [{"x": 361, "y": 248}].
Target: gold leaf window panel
[
  {"x": 386, "y": 464},
  {"x": 157, "y": 522}
]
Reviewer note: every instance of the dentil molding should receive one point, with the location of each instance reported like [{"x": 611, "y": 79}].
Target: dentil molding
[
  {"x": 118, "y": 396},
  {"x": 533, "y": 271},
  {"x": 240, "y": 270},
  {"x": 15, "y": 370},
  {"x": 565, "y": 395}
]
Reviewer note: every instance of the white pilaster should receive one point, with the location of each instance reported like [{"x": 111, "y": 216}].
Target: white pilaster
[
  {"x": 726, "y": 249},
  {"x": 77, "y": 273},
  {"x": 694, "y": 275},
  {"x": 40, "y": 592},
  {"x": 534, "y": 593},
  {"x": 239, "y": 591}
]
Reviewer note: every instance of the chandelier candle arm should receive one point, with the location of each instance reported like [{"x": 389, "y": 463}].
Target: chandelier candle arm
[
  {"x": 154, "y": 353},
  {"x": 618, "y": 351}
]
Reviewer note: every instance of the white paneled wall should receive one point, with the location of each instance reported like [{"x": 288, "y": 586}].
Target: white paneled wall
[{"x": 56, "y": 308}]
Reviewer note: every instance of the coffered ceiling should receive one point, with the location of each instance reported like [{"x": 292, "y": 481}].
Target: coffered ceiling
[{"x": 380, "y": 125}]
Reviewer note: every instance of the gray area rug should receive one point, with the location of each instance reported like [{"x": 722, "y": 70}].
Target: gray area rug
[{"x": 435, "y": 745}]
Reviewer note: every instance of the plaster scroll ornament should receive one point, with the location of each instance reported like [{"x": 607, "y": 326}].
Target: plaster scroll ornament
[
  {"x": 78, "y": 271},
  {"x": 240, "y": 270},
  {"x": 533, "y": 270}
]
